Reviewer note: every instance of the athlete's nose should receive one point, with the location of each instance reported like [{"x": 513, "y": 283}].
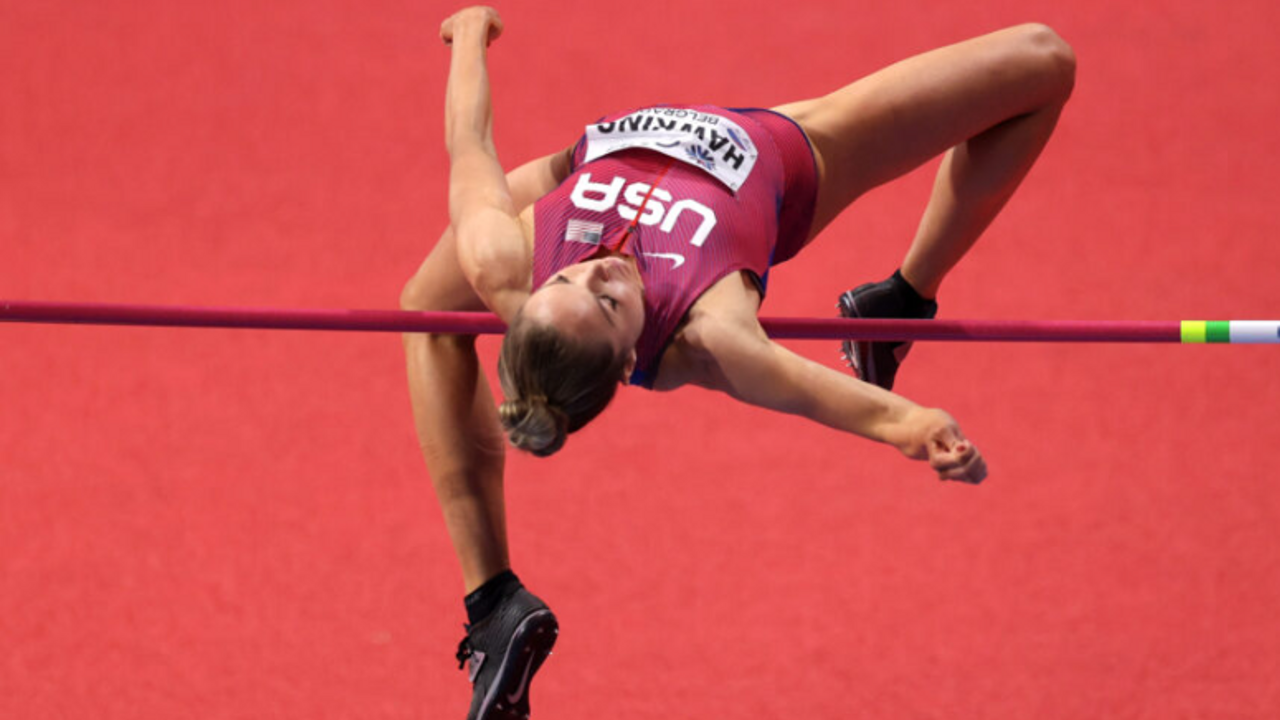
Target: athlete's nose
[{"x": 601, "y": 270}]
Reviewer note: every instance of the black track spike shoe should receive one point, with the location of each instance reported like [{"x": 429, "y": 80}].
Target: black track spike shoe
[
  {"x": 877, "y": 362},
  {"x": 504, "y": 651}
]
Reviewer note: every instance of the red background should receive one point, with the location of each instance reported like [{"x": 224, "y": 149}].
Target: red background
[{"x": 236, "y": 524}]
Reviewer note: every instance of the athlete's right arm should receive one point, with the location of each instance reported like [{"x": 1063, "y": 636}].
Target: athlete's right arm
[
  {"x": 491, "y": 247},
  {"x": 722, "y": 347},
  {"x": 739, "y": 360}
]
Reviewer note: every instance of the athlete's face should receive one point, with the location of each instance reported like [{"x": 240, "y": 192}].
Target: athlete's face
[{"x": 598, "y": 298}]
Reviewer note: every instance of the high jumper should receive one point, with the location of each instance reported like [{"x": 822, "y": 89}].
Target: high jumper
[{"x": 641, "y": 253}]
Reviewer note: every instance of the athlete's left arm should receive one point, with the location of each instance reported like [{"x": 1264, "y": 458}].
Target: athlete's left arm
[
  {"x": 492, "y": 250},
  {"x": 735, "y": 356}
]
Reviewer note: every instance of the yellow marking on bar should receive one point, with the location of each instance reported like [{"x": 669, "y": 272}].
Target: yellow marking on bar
[{"x": 1194, "y": 331}]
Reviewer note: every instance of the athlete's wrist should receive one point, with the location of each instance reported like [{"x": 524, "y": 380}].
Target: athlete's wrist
[
  {"x": 911, "y": 433},
  {"x": 900, "y": 424}
]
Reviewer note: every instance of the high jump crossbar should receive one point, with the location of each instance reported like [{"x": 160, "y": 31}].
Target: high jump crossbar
[{"x": 472, "y": 323}]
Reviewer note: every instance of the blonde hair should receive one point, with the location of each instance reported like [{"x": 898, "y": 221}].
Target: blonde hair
[{"x": 554, "y": 384}]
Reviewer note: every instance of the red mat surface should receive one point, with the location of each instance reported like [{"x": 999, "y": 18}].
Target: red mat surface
[{"x": 236, "y": 524}]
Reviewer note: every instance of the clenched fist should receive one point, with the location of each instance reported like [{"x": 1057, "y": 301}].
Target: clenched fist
[
  {"x": 480, "y": 18},
  {"x": 933, "y": 435}
]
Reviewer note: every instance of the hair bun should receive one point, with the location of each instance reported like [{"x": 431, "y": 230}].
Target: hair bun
[{"x": 534, "y": 425}]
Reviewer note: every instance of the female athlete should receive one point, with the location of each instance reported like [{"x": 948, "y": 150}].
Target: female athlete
[{"x": 641, "y": 255}]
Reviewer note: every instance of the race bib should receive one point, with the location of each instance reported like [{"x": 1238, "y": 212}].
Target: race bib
[{"x": 714, "y": 144}]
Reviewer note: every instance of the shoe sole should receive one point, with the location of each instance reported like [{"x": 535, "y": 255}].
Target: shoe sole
[
  {"x": 529, "y": 647},
  {"x": 857, "y": 354}
]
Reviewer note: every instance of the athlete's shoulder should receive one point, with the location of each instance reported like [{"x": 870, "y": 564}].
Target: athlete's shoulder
[{"x": 726, "y": 310}]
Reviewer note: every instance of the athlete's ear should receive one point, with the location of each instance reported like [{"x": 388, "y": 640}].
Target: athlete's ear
[{"x": 629, "y": 367}]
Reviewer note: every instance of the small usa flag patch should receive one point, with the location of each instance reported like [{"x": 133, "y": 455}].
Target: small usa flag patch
[{"x": 583, "y": 231}]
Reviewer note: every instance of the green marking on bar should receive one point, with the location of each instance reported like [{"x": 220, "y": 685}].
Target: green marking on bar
[
  {"x": 1193, "y": 331},
  {"x": 1218, "y": 332}
]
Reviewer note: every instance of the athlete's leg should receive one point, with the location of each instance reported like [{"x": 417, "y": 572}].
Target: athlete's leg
[
  {"x": 453, "y": 407},
  {"x": 457, "y": 426},
  {"x": 973, "y": 184},
  {"x": 991, "y": 101}
]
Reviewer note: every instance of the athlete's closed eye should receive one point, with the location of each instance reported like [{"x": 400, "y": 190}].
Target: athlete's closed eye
[{"x": 562, "y": 280}]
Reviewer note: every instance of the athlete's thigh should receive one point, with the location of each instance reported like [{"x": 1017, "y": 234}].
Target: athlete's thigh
[{"x": 888, "y": 123}]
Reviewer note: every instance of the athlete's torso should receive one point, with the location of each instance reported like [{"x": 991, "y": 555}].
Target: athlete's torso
[{"x": 694, "y": 229}]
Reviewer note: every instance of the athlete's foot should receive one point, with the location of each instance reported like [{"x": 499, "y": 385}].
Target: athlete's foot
[
  {"x": 877, "y": 362},
  {"x": 504, "y": 650}
]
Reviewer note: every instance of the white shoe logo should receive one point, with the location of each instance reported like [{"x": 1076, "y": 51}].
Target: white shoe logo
[
  {"x": 514, "y": 697},
  {"x": 677, "y": 258},
  {"x": 477, "y": 660}
]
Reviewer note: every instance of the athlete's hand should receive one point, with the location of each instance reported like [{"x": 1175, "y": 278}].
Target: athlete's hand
[
  {"x": 933, "y": 435},
  {"x": 483, "y": 19}
]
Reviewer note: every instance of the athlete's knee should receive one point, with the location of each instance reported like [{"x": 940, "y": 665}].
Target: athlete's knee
[
  {"x": 430, "y": 291},
  {"x": 1053, "y": 59},
  {"x": 419, "y": 295},
  {"x": 416, "y": 295},
  {"x": 436, "y": 350}
]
